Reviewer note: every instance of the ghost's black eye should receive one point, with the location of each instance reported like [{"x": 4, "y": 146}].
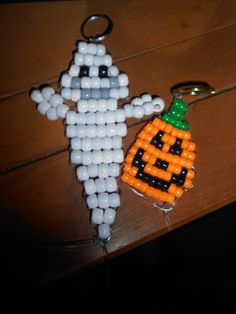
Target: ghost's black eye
[
  {"x": 103, "y": 70},
  {"x": 84, "y": 71}
]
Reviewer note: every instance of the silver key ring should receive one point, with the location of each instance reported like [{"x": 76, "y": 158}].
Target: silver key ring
[{"x": 98, "y": 37}]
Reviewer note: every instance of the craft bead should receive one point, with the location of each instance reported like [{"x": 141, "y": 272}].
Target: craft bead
[
  {"x": 92, "y": 48},
  {"x": 66, "y": 80},
  {"x": 105, "y": 93},
  {"x": 43, "y": 107},
  {"x": 116, "y": 142},
  {"x": 146, "y": 98},
  {"x": 52, "y": 114},
  {"x": 158, "y": 103},
  {"x": 62, "y": 110},
  {"x": 82, "y": 105},
  {"x": 101, "y": 50},
  {"x": 36, "y": 96},
  {"x": 76, "y": 156},
  {"x": 91, "y": 130},
  {"x": 118, "y": 155},
  {"x": 114, "y": 200},
  {"x": 138, "y": 112},
  {"x": 107, "y": 142},
  {"x": 107, "y": 156},
  {"x": 121, "y": 129},
  {"x": 88, "y": 59},
  {"x": 102, "y": 105},
  {"x": 110, "y": 116},
  {"x": 85, "y": 93},
  {"x": 113, "y": 70},
  {"x": 107, "y": 60},
  {"x": 71, "y": 117},
  {"x": 100, "y": 118},
  {"x": 111, "y": 104},
  {"x": 79, "y": 59},
  {"x": 111, "y": 129},
  {"x": 92, "y": 105},
  {"x": 100, "y": 185},
  {"x": 98, "y": 60},
  {"x": 66, "y": 93},
  {"x": 111, "y": 184},
  {"x": 123, "y": 92},
  {"x": 104, "y": 170},
  {"x": 103, "y": 200},
  {"x": 71, "y": 131},
  {"x": 95, "y": 93},
  {"x": 90, "y": 118},
  {"x": 96, "y": 143},
  {"x": 120, "y": 115},
  {"x": 123, "y": 79},
  {"x": 128, "y": 108},
  {"x": 114, "y": 82},
  {"x": 95, "y": 82},
  {"x": 92, "y": 201},
  {"x": 114, "y": 93},
  {"x": 89, "y": 186},
  {"x": 74, "y": 72},
  {"x": 109, "y": 216},
  {"x": 105, "y": 83},
  {"x": 81, "y": 131},
  {"x": 81, "y": 118},
  {"x": 75, "y": 82},
  {"x": 82, "y": 173},
  {"x": 92, "y": 170},
  {"x": 103, "y": 71},
  {"x": 97, "y": 216},
  {"x": 85, "y": 82},
  {"x": 148, "y": 108},
  {"x": 97, "y": 157},
  {"x": 101, "y": 130},
  {"x": 114, "y": 170},
  {"x": 93, "y": 71},
  {"x": 75, "y": 143},
  {"x": 86, "y": 158},
  {"x": 82, "y": 47},
  {"x": 137, "y": 101},
  {"x": 104, "y": 231},
  {"x": 86, "y": 144},
  {"x": 75, "y": 95},
  {"x": 47, "y": 92}
]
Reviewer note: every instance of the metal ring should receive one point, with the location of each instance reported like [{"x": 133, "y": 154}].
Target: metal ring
[
  {"x": 98, "y": 37},
  {"x": 192, "y": 88}
]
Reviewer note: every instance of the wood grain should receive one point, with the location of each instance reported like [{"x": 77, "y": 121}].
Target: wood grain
[
  {"x": 37, "y": 39},
  {"x": 27, "y": 135}
]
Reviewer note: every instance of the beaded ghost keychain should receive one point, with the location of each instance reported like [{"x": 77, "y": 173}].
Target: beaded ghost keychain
[
  {"x": 96, "y": 127},
  {"x": 159, "y": 165}
]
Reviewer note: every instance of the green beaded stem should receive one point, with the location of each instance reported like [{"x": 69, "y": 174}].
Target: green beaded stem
[{"x": 176, "y": 113}]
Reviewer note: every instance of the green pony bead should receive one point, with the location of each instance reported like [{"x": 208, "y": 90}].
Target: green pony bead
[
  {"x": 179, "y": 104},
  {"x": 176, "y": 114}
]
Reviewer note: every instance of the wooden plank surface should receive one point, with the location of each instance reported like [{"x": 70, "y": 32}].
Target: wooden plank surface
[
  {"x": 159, "y": 47},
  {"x": 38, "y": 38},
  {"x": 154, "y": 72}
]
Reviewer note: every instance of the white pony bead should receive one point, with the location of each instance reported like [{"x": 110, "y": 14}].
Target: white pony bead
[
  {"x": 83, "y": 47},
  {"x": 107, "y": 156},
  {"x": 62, "y": 110},
  {"x": 71, "y": 131},
  {"x": 146, "y": 98},
  {"x": 36, "y": 96},
  {"x": 92, "y": 201},
  {"x": 101, "y": 186},
  {"x": 56, "y": 100},
  {"x": 123, "y": 92},
  {"x": 76, "y": 143},
  {"x": 92, "y": 170},
  {"x": 75, "y": 94},
  {"x": 101, "y": 130},
  {"x": 86, "y": 158},
  {"x": 66, "y": 80},
  {"x": 105, "y": 82},
  {"x": 138, "y": 111},
  {"x": 95, "y": 82},
  {"x": 111, "y": 184},
  {"x": 98, "y": 60},
  {"x": 85, "y": 82},
  {"x": 71, "y": 117},
  {"x": 116, "y": 142},
  {"x": 114, "y": 200},
  {"x": 52, "y": 114},
  {"x": 82, "y": 105},
  {"x": 109, "y": 216},
  {"x": 104, "y": 170},
  {"x": 111, "y": 104},
  {"x": 86, "y": 144},
  {"x": 137, "y": 101},
  {"x": 120, "y": 115},
  {"x": 128, "y": 110},
  {"x": 107, "y": 60},
  {"x": 101, "y": 105},
  {"x": 148, "y": 108},
  {"x": 104, "y": 231},
  {"x": 97, "y": 216},
  {"x": 123, "y": 79},
  {"x": 96, "y": 143},
  {"x": 111, "y": 129},
  {"x": 88, "y": 59},
  {"x": 97, "y": 157},
  {"x": 91, "y": 130},
  {"x": 90, "y": 118},
  {"x": 74, "y": 70},
  {"x": 82, "y": 173},
  {"x": 93, "y": 71},
  {"x": 92, "y": 48},
  {"x": 100, "y": 118},
  {"x": 43, "y": 107},
  {"x": 79, "y": 59},
  {"x": 101, "y": 50},
  {"x": 81, "y": 118},
  {"x": 118, "y": 155},
  {"x": 81, "y": 130},
  {"x": 159, "y": 104},
  {"x": 47, "y": 92},
  {"x": 103, "y": 200},
  {"x": 114, "y": 93},
  {"x": 110, "y": 116},
  {"x": 121, "y": 129},
  {"x": 106, "y": 142},
  {"x": 113, "y": 71},
  {"x": 76, "y": 156},
  {"x": 113, "y": 170},
  {"x": 92, "y": 105},
  {"x": 89, "y": 187},
  {"x": 66, "y": 93}
]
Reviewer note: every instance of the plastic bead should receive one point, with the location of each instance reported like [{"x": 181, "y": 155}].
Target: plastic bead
[
  {"x": 104, "y": 170},
  {"x": 43, "y": 107},
  {"x": 52, "y": 114},
  {"x": 104, "y": 231},
  {"x": 89, "y": 186},
  {"x": 92, "y": 170},
  {"x": 101, "y": 186},
  {"x": 36, "y": 96},
  {"x": 62, "y": 110},
  {"x": 76, "y": 157},
  {"x": 47, "y": 92},
  {"x": 92, "y": 201},
  {"x": 109, "y": 216},
  {"x": 97, "y": 216},
  {"x": 103, "y": 200},
  {"x": 82, "y": 173},
  {"x": 114, "y": 200},
  {"x": 113, "y": 170}
]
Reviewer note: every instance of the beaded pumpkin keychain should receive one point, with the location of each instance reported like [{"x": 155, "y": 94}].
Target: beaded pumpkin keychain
[
  {"x": 159, "y": 164},
  {"x": 97, "y": 125}
]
